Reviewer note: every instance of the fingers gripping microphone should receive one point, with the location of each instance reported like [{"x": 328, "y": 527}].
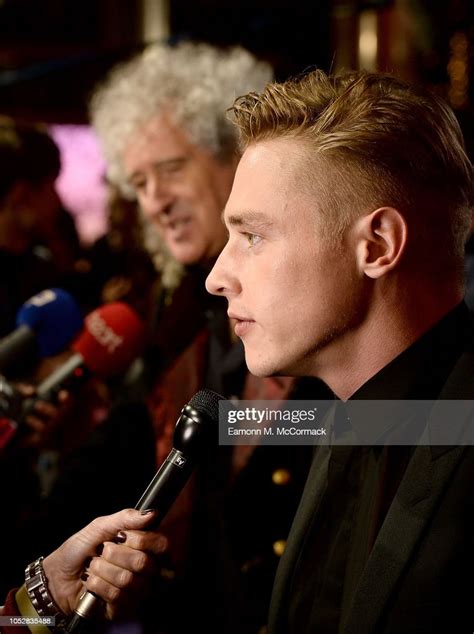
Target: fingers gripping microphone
[
  {"x": 46, "y": 324},
  {"x": 195, "y": 431}
]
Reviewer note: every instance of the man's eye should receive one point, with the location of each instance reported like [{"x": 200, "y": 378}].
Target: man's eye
[
  {"x": 252, "y": 239},
  {"x": 138, "y": 185},
  {"x": 172, "y": 168}
]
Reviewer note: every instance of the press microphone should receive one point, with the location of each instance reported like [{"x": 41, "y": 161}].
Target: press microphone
[
  {"x": 45, "y": 325},
  {"x": 112, "y": 338},
  {"x": 196, "y": 431}
]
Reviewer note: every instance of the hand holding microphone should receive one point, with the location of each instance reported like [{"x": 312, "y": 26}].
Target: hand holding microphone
[
  {"x": 195, "y": 432},
  {"x": 121, "y": 572}
]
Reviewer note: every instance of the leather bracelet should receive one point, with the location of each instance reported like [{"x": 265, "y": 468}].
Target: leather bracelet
[{"x": 37, "y": 587}]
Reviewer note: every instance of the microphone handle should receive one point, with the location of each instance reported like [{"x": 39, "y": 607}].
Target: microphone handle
[
  {"x": 159, "y": 495},
  {"x": 18, "y": 344},
  {"x": 72, "y": 369},
  {"x": 71, "y": 373},
  {"x": 166, "y": 485}
]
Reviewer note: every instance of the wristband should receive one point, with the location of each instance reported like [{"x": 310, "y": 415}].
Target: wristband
[{"x": 37, "y": 588}]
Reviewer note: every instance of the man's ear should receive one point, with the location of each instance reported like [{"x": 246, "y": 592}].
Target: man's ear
[{"x": 381, "y": 241}]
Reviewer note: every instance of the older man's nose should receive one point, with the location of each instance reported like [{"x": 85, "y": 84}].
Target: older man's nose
[{"x": 156, "y": 201}]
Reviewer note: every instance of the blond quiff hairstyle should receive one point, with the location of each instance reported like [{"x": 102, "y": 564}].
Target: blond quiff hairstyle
[{"x": 386, "y": 143}]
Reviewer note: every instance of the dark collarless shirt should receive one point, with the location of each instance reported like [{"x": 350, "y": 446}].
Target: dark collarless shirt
[{"x": 361, "y": 482}]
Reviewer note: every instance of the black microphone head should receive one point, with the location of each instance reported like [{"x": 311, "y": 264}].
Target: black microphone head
[
  {"x": 207, "y": 401},
  {"x": 197, "y": 426}
]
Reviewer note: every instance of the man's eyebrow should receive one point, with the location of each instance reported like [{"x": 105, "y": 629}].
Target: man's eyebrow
[
  {"x": 172, "y": 159},
  {"x": 251, "y": 218}
]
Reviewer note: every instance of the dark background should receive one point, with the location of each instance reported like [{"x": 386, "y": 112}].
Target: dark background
[{"x": 52, "y": 52}]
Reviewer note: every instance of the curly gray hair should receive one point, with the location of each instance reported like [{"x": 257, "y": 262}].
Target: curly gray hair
[{"x": 199, "y": 82}]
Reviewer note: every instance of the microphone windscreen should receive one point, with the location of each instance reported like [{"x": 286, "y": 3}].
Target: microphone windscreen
[
  {"x": 54, "y": 317},
  {"x": 112, "y": 338},
  {"x": 207, "y": 401}
]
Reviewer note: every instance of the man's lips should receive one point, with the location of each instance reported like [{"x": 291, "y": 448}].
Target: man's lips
[
  {"x": 242, "y": 324},
  {"x": 238, "y": 317}
]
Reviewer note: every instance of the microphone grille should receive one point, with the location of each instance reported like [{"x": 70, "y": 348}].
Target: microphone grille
[{"x": 208, "y": 402}]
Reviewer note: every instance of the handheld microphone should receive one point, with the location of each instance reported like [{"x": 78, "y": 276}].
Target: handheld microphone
[
  {"x": 112, "y": 338},
  {"x": 196, "y": 430},
  {"x": 46, "y": 324}
]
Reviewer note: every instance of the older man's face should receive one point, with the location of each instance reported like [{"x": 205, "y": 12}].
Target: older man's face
[
  {"x": 181, "y": 188},
  {"x": 295, "y": 297}
]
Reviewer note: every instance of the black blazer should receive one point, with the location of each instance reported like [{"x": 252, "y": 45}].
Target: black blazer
[{"x": 420, "y": 574}]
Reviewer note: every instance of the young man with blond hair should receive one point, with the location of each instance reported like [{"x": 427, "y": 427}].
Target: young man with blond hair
[{"x": 347, "y": 221}]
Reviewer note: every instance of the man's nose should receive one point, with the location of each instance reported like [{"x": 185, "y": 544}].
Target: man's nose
[
  {"x": 214, "y": 284},
  {"x": 156, "y": 199},
  {"x": 220, "y": 280}
]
